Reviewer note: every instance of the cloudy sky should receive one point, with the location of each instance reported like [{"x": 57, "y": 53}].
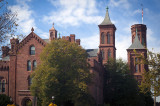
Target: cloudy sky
[{"x": 81, "y": 17}]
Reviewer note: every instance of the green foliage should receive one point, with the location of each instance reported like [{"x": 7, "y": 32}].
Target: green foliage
[
  {"x": 151, "y": 80},
  {"x": 120, "y": 87},
  {"x": 4, "y": 100},
  {"x": 63, "y": 73},
  {"x": 8, "y": 24}
]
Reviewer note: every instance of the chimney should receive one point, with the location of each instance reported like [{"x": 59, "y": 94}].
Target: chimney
[
  {"x": 68, "y": 38},
  {"x": 78, "y": 41},
  {"x": 5, "y": 51},
  {"x": 72, "y": 37},
  {"x": 14, "y": 42}
]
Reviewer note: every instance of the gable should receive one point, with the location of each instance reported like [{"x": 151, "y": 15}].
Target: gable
[{"x": 32, "y": 35}]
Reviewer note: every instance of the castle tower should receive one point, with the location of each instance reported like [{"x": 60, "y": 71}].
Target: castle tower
[
  {"x": 52, "y": 33},
  {"x": 107, "y": 38},
  {"x": 141, "y": 33},
  {"x": 139, "y": 43}
]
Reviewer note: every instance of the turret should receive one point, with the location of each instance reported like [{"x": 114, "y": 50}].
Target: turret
[
  {"x": 107, "y": 38},
  {"x": 52, "y": 33}
]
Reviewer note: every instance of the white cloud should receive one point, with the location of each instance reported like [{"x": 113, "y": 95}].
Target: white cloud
[
  {"x": 137, "y": 11},
  {"x": 122, "y": 43},
  {"x": 73, "y": 13},
  {"x": 24, "y": 15},
  {"x": 25, "y": 18},
  {"x": 91, "y": 42},
  {"x": 119, "y": 3}
]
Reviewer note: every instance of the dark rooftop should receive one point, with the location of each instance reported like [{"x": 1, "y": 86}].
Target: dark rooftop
[{"x": 92, "y": 52}]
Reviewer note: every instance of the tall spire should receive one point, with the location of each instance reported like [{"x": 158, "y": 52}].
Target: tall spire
[
  {"x": 106, "y": 20},
  {"x": 136, "y": 43}
]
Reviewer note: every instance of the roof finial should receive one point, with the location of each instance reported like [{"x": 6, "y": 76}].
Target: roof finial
[
  {"x": 107, "y": 8},
  {"x": 53, "y": 24},
  {"x": 32, "y": 29}
]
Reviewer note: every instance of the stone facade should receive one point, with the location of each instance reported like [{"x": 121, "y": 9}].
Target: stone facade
[
  {"x": 138, "y": 47},
  {"x": 15, "y": 74}
]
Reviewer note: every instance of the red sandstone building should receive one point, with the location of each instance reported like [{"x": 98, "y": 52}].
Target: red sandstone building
[{"x": 19, "y": 61}]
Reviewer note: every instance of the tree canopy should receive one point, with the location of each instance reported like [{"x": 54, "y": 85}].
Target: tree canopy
[
  {"x": 8, "y": 23},
  {"x": 151, "y": 78},
  {"x": 4, "y": 100},
  {"x": 63, "y": 73},
  {"x": 120, "y": 87}
]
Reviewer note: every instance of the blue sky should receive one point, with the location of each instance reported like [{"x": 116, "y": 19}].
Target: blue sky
[{"x": 81, "y": 17}]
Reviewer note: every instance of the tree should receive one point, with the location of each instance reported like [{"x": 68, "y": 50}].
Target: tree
[
  {"x": 151, "y": 78},
  {"x": 63, "y": 73},
  {"x": 120, "y": 87},
  {"x": 4, "y": 100},
  {"x": 8, "y": 24}
]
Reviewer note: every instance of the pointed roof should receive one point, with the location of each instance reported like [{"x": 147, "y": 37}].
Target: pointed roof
[
  {"x": 136, "y": 43},
  {"x": 106, "y": 20}
]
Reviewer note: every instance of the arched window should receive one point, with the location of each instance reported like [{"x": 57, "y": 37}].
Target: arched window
[
  {"x": 28, "y": 65},
  {"x": 102, "y": 38},
  {"x": 139, "y": 37},
  {"x": 142, "y": 40},
  {"x": 136, "y": 65},
  {"x": 102, "y": 54},
  {"x": 51, "y": 34},
  {"x": 3, "y": 86},
  {"x": 34, "y": 64},
  {"x": 108, "y": 38},
  {"x": 29, "y": 82},
  {"x": 32, "y": 50},
  {"x": 109, "y": 53}
]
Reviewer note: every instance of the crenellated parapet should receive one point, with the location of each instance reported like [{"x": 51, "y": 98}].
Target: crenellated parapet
[
  {"x": 71, "y": 38},
  {"x": 4, "y": 65}
]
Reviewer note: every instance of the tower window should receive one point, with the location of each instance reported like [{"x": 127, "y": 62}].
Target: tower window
[
  {"x": 136, "y": 65},
  {"x": 108, "y": 38},
  {"x": 34, "y": 64},
  {"x": 142, "y": 40},
  {"x": 102, "y": 38},
  {"x": 109, "y": 53},
  {"x": 29, "y": 82},
  {"x": 102, "y": 54},
  {"x": 32, "y": 50},
  {"x": 139, "y": 37},
  {"x": 28, "y": 65}
]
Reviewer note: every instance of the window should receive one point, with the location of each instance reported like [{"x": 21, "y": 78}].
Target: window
[
  {"x": 139, "y": 37},
  {"x": 109, "y": 53},
  {"x": 136, "y": 65},
  {"x": 142, "y": 40},
  {"x": 28, "y": 65},
  {"x": 102, "y": 38},
  {"x": 32, "y": 50},
  {"x": 140, "y": 66},
  {"x": 34, "y": 64},
  {"x": 108, "y": 38},
  {"x": 29, "y": 82},
  {"x": 102, "y": 54},
  {"x": 3, "y": 86}
]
